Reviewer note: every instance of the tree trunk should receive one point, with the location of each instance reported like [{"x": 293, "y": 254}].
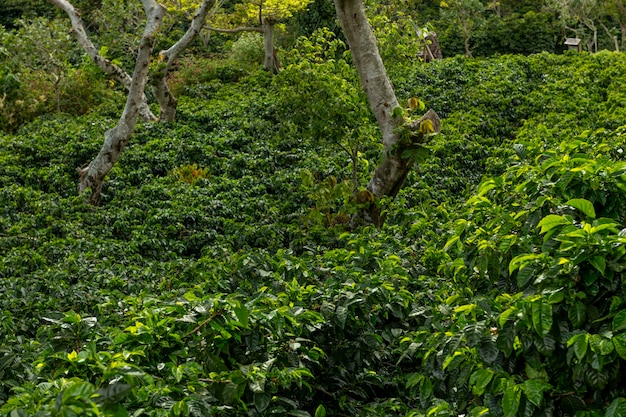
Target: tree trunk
[
  {"x": 270, "y": 63},
  {"x": 393, "y": 169},
  {"x": 466, "y": 45},
  {"x": 622, "y": 19},
  {"x": 104, "y": 64},
  {"x": 432, "y": 50},
  {"x": 164, "y": 96},
  {"x": 115, "y": 139},
  {"x": 610, "y": 35}
]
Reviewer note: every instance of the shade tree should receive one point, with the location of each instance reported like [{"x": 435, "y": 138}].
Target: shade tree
[
  {"x": 259, "y": 16},
  {"x": 466, "y": 15},
  {"x": 402, "y": 138},
  {"x": 116, "y": 138}
]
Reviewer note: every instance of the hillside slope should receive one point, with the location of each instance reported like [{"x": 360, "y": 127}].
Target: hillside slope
[{"x": 222, "y": 276}]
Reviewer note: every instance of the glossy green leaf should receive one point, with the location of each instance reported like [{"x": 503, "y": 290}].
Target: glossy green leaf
[
  {"x": 598, "y": 262},
  {"x": 534, "y": 390},
  {"x": 480, "y": 379},
  {"x": 342, "y": 315},
  {"x": 617, "y": 408},
  {"x": 619, "y": 342},
  {"x": 600, "y": 344},
  {"x": 262, "y": 401},
  {"x": 320, "y": 411},
  {"x": 541, "y": 317},
  {"x": 551, "y": 221},
  {"x": 511, "y": 400},
  {"x": 585, "y": 206},
  {"x": 579, "y": 344},
  {"x": 619, "y": 321},
  {"x": 577, "y": 314}
]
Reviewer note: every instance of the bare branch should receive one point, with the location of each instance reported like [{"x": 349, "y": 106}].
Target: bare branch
[{"x": 236, "y": 30}]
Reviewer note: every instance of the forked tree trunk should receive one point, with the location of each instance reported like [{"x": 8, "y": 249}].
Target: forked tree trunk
[
  {"x": 104, "y": 64},
  {"x": 115, "y": 139},
  {"x": 164, "y": 96},
  {"x": 393, "y": 169}
]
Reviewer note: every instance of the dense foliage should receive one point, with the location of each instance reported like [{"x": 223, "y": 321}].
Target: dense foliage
[{"x": 223, "y": 274}]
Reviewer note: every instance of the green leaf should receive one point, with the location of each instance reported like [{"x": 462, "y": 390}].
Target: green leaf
[
  {"x": 524, "y": 275},
  {"x": 619, "y": 321},
  {"x": 619, "y": 342},
  {"x": 504, "y": 316},
  {"x": 242, "y": 315},
  {"x": 506, "y": 242},
  {"x": 320, "y": 411},
  {"x": 534, "y": 389},
  {"x": 579, "y": 343},
  {"x": 79, "y": 389},
  {"x": 577, "y": 314},
  {"x": 262, "y": 401},
  {"x": 480, "y": 379},
  {"x": 511, "y": 400},
  {"x": 551, "y": 221},
  {"x": 599, "y": 263},
  {"x": 342, "y": 315},
  {"x": 397, "y": 112},
  {"x": 617, "y": 408},
  {"x": 112, "y": 393},
  {"x": 600, "y": 344},
  {"x": 583, "y": 205},
  {"x": 426, "y": 388},
  {"x": 542, "y": 317}
]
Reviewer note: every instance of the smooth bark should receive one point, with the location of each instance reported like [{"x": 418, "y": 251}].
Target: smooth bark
[
  {"x": 270, "y": 62},
  {"x": 104, "y": 64},
  {"x": 393, "y": 169},
  {"x": 164, "y": 96},
  {"x": 115, "y": 139}
]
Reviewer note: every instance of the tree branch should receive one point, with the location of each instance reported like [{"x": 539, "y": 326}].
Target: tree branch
[
  {"x": 161, "y": 90},
  {"x": 115, "y": 139},
  {"x": 236, "y": 30},
  {"x": 104, "y": 64}
]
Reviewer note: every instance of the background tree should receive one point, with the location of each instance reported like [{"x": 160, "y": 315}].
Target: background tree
[
  {"x": 584, "y": 19},
  {"x": 266, "y": 13},
  {"x": 399, "y": 36},
  {"x": 466, "y": 15},
  {"x": 43, "y": 43}
]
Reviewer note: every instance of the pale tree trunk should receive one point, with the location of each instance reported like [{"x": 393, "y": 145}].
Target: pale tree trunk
[
  {"x": 393, "y": 169},
  {"x": 161, "y": 90},
  {"x": 270, "y": 63},
  {"x": 115, "y": 139},
  {"x": 104, "y": 64}
]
